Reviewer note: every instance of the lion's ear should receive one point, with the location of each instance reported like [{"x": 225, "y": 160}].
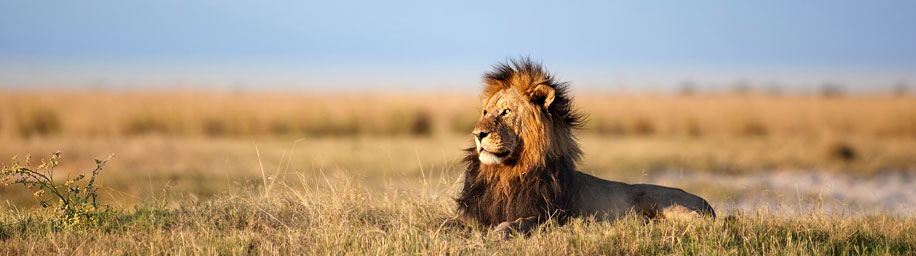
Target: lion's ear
[{"x": 542, "y": 95}]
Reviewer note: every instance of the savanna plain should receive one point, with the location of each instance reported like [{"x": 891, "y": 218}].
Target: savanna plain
[{"x": 191, "y": 172}]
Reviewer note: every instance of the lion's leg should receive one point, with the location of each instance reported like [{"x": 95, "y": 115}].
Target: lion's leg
[
  {"x": 658, "y": 202},
  {"x": 646, "y": 211},
  {"x": 679, "y": 212},
  {"x": 521, "y": 226}
]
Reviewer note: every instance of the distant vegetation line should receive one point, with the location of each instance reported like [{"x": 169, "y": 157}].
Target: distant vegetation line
[{"x": 28, "y": 114}]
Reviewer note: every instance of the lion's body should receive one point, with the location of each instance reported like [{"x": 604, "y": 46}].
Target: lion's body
[
  {"x": 523, "y": 168},
  {"x": 608, "y": 200}
]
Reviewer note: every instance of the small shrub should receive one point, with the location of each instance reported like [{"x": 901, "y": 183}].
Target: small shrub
[
  {"x": 832, "y": 90},
  {"x": 400, "y": 122},
  {"x": 643, "y": 127},
  {"x": 146, "y": 123},
  {"x": 753, "y": 128},
  {"x": 605, "y": 127},
  {"x": 693, "y": 128},
  {"x": 687, "y": 89},
  {"x": 742, "y": 88},
  {"x": 37, "y": 121},
  {"x": 282, "y": 126},
  {"x": 463, "y": 122},
  {"x": 214, "y": 127},
  {"x": 839, "y": 150},
  {"x": 76, "y": 206},
  {"x": 422, "y": 124}
]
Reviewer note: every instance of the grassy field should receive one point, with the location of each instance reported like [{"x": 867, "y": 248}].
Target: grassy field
[
  {"x": 220, "y": 114},
  {"x": 157, "y": 166},
  {"x": 342, "y": 218},
  {"x": 275, "y": 173}
]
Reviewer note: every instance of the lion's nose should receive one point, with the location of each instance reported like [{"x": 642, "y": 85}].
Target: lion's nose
[{"x": 480, "y": 135}]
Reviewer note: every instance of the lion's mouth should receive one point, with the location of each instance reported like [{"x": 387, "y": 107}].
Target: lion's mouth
[
  {"x": 500, "y": 155},
  {"x": 487, "y": 157}
]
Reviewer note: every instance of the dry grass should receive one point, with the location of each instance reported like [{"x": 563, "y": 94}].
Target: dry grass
[
  {"x": 345, "y": 219},
  {"x": 146, "y": 166},
  {"x": 236, "y": 114},
  {"x": 374, "y": 174},
  {"x": 201, "y": 143},
  {"x": 752, "y": 115},
  {"x": 113, "y": 114}
]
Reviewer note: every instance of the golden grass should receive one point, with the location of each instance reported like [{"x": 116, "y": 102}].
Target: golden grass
[
  {"x": 222, "y": 114},
  {"x": 342, "y": 218},
  {"x": 374, "y": 174},
  {"x": 168, "y": 166},
  {"x": 752, "y": 115},
  {"x": 200, "y": 143},
  {"x": 336, "y": 214},
  {"x": 203, "y": 142}
]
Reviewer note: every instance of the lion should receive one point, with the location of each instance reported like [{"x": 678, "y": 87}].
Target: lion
[{"x": 522, "y": 172}]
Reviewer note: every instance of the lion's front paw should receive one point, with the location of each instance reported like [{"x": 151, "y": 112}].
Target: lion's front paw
[{"x": 504, "y": 230}]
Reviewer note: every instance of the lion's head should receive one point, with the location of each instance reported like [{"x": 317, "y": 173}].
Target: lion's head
[
  {"x": 497, "y": 133},
  {"x": 525, "y": 114},
  {"x": 524, "y": 147}
]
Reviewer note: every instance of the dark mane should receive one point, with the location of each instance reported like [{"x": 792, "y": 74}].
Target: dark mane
[
  {"x": 542, "y": 193},
  {"x": 524, "y": 74},
  {"x": 534, "y": 189}
]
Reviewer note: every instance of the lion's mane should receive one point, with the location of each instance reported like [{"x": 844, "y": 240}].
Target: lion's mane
[{"x": 538, "y": 182}]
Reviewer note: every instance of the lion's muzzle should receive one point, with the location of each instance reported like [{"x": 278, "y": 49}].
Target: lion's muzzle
[{"x": 494, "y": 141}]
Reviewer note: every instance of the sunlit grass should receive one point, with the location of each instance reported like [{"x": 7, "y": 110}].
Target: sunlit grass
[
  {"x": 224, "y": 173},
  {"x": 204, "y": 166},
  {"x": 342, "y": 218}
]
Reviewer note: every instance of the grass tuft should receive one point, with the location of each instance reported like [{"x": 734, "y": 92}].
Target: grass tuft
[
  {"x": 76, "y": 206},
  {"x": 37, "y": 121}
]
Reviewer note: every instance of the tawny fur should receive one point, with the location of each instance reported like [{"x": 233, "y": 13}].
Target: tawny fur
[{"x": 538, "y": 179}]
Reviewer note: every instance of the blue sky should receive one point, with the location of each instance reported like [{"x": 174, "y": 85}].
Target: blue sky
[{"x": 447, "y": 44}]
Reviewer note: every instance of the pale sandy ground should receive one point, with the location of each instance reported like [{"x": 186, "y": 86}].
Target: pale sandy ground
[{"x": 802, "y": 191}]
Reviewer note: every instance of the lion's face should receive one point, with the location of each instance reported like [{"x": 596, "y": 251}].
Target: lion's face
[{"x": 498, "y": 133}]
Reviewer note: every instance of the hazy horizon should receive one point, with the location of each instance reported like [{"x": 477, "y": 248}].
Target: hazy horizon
[{"x": 406, "y": 45}]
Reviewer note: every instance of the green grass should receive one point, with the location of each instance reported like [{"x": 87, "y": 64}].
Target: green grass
[{"x": 347, "y": 219}]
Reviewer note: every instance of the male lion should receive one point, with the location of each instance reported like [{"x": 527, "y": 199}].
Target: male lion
[{"x": 522, "y": 170}]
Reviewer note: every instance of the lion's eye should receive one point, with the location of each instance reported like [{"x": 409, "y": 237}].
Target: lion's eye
[
  {"x": 484, "y": 112},
  {"x": 506, "y": 112}
]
